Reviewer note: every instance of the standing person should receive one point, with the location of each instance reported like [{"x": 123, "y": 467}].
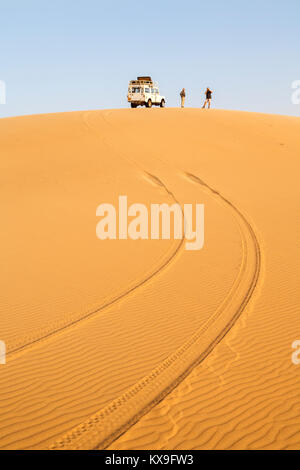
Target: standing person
[
  {"x": 208, "y": 94},
  {"x": 182, "y": 95}
]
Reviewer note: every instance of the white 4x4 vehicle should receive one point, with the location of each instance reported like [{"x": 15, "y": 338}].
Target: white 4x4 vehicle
[{"x": 144, "y": 92}]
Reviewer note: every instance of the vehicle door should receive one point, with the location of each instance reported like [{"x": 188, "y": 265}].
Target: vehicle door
[
  {"x": 157, "y": 97},
  {"x": 136, "y": 93}
]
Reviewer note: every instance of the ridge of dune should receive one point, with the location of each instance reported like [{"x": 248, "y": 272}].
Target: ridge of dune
[{"x": 166, "y": 347}]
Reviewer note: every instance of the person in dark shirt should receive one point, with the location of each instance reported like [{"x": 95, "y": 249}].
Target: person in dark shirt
[
  {"x": 182, "y": 95},
  {"x": 208, "y": 94}
]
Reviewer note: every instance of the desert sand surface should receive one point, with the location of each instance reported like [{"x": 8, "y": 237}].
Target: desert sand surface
[{"x": 141, "y": 344}]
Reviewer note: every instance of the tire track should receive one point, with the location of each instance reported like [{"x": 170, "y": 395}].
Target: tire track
[
  {"x": 155, "y": 272},
  {"x": 101, "y": 429}
]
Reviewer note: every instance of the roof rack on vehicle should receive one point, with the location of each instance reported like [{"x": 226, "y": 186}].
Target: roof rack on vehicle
[{"x": 142, "y": 81}]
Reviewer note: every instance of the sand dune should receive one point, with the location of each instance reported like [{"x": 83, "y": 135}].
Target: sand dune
[{"x": 141, "y": 344}]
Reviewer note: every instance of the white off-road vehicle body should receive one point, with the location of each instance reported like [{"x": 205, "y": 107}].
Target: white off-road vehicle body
[{"x": 144, "y": 92}]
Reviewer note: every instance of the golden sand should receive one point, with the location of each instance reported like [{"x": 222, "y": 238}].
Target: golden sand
[{"x": 127, "y": 344}]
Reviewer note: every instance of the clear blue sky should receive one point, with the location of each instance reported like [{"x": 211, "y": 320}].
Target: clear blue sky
[{"x": 63, "y": 55}]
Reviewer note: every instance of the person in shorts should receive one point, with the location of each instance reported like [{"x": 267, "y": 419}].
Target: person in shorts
[
  {"x": 208, "y": 95},
  {"x": 182, "y": 96}
]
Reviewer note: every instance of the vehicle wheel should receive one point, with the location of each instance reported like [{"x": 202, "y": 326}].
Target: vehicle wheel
[
  {"x": 162, "y": 104},
  {"x": 133, "y": 105},
  {"x": 149, "y": 104}
]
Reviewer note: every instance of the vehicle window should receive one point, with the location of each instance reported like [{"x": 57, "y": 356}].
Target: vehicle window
[
  {"x": 135, "y": 90},
  {"x": 152, "y": 91},
  {"x": 147, "y": 90},
  {"x": 156, "y": 90}
]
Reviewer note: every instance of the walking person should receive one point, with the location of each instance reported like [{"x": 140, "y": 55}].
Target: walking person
[
  {"x": 208, "y": 94},
  {"x": 182, "y": 96}
]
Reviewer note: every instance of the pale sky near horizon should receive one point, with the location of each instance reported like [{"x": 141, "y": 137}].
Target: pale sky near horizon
[{"x": 69, "y": 55}]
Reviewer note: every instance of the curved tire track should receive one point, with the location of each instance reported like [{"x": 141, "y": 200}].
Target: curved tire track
[
  {"x": 155, "y": 272},
  {"x": 101, "y": 429}
]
